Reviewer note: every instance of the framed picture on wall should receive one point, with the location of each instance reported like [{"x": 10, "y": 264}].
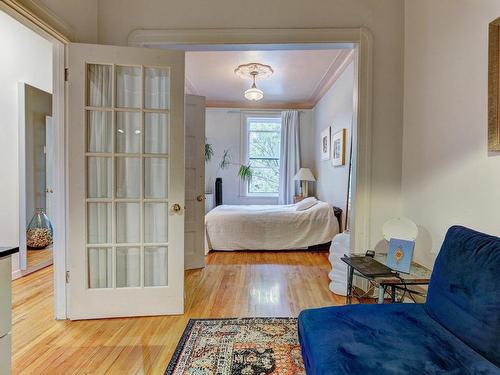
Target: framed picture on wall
[
  {"x": 325, "y": 144},
  {"x": 338, "y": 148}
]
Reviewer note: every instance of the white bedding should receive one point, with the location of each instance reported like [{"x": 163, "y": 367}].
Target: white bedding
[{"x": 259, "y": 227}]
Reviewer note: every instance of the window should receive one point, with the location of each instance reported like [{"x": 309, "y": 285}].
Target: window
[{"x": 263, "y": 138}]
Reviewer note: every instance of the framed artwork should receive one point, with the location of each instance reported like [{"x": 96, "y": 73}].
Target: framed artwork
[
  {"x": 338, "y": 148},
  {"x": 494, "y": 86},
  {"x": 399, "y": 254},
  {"x": 325, "y": 144}
]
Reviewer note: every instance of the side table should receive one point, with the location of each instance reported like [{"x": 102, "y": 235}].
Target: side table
[{"x": 419, "y": 275}]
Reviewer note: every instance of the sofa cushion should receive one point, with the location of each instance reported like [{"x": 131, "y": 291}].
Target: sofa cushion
[
  {"x": 383, "y": 339},
  {"x": 464, "y": 292}
]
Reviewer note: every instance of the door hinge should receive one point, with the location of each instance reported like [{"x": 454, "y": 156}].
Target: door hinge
[
  {"x": 67, "y": 277},
  {"x": 66, "y": 74}
]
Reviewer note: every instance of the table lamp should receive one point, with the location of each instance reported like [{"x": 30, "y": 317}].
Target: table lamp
[{"x": 304, "y": 175}]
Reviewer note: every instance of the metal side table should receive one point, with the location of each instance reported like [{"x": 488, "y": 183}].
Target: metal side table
[{"x": 419, "y": 275}]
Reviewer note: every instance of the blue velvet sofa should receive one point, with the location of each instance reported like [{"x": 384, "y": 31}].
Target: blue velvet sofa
[{"x": 457, "y": 330}]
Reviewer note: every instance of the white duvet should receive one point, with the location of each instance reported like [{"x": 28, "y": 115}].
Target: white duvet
[{"x": 259, "y": 227}]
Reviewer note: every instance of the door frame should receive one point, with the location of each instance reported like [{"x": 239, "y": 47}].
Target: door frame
[
  {"x": 59, "y": 219},
  {"x": 359, "y": 37}
]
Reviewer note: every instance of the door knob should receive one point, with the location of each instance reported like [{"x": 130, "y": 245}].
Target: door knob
[
  {"x": 200, "y": 198},
  {"x": 176, "y": 207}
]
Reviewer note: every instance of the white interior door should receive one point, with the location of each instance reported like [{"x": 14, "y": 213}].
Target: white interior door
[
  {"x": 126, "y": 181},
  {"x": 194, "y": 252},
  {"x": 49, "y": 166}
]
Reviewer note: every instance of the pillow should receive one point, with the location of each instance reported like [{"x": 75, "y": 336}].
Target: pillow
[{"x": 306, "y": 203}]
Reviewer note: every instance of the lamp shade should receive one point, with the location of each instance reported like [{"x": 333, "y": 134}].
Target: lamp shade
[
  {"x": 304, "y": 174},
  {"x": 254, "y": 94}
]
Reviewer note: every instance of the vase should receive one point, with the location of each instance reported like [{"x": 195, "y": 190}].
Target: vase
[{"x": 39, "y": 232}]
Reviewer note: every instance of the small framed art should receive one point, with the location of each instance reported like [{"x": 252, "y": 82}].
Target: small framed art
[
  {"x": 338, "y": 148},
  {"x": 400, "y": 254},
  {"x": 325, "y": 144}
]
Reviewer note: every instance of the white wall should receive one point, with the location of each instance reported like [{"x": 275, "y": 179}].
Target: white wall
[
  {"x": 335, "y": 109},
  {"x": 448, "y": 176},
  {"x": 223, "y": 131},
  {"x": 24, "y": 57}
]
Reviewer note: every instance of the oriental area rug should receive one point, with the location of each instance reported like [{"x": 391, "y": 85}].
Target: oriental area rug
[{"x": 246, "y": 346}]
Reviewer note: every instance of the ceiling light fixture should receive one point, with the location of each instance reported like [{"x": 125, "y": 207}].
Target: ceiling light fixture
[
  {"x": 252, "y": 71},
  {"x": 253, "y": 93}
]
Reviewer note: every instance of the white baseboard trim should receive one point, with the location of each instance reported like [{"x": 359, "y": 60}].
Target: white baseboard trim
[{"x": 20, "y": 273}]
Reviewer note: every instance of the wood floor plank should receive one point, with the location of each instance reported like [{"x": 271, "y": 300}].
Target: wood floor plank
[{"x": 233, "y": 284}]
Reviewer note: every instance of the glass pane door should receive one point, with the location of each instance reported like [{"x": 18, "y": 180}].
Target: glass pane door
[{"x": 127, "y": 164}]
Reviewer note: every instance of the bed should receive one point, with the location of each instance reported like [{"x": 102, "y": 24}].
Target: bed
[{"x": 270, "y": 227}]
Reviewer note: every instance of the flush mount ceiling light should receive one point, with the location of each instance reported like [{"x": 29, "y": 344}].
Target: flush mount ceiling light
[{"x": 252, "y": 71}]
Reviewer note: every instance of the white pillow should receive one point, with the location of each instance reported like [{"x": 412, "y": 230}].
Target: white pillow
[{"x": 306, "y": 203}]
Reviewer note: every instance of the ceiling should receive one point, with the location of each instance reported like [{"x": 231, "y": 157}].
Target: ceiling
[{"x": 300, "y": 78}]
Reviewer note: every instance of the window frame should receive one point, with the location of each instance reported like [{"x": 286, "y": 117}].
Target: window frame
[{"x": 244, "y": 157}]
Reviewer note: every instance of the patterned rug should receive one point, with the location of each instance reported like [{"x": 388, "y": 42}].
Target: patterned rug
[{"x": 246, "y": 346}]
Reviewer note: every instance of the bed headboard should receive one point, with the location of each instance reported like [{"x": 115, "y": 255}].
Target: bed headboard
[{"x": 338, "y": 214}]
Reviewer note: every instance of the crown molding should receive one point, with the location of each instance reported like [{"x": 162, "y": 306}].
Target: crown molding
[
  {"x": 263, "y": 105},
  {"x": 190, "y": 87},
  {"x": 334, "y": 72},
  {"x": 47, "y": 16},
  {"x": 37, "y": 18}
]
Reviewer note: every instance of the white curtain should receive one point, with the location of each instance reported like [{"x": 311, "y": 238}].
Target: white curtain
[
  {"x": 289, "y": 156},
  {"x": 155, "y": 261},
  {"x": 100, "y": 268},
  {"x": 128, "y": 179}
]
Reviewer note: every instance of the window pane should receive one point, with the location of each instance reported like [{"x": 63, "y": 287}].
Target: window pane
[
  {"x": 155, "y": 266},
  {"x": 100, "y": 267},
  {"x": 157, "y": 87},
  {"x": 264, "y": 144},
  {"x": 155, "y": 222},
  {"x": 128, "y": 87},
  {"x": 99, "y": 223},
  {"x": 265, "y": 176},
  {"x": 128, "y": 267},
  {"x": 156, "y": 128},
  {"x": 128, "y": 132},
  {"x": 264, "y": 124},
  {"x": 99, "y": 179},
  {"x": 128, "y": 177},
  {"x": 128, "y": 222},
  {"x": 99, "y": 131},
  {"x": 155, "y": 177},
  {"x": 100, "y": 78}
]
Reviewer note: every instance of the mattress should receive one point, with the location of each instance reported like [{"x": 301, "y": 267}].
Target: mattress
[{"x": 269, "y": 227}]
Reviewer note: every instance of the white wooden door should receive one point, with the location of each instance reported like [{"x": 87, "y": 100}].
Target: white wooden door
[
  {"x": 126, "y": 181},
  {"x": 49, "y": 167},
  {"x": 194, "y": 252}
]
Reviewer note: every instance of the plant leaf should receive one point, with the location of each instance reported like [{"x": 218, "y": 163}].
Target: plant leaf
[
  {"x": 226, "y": 160},
  {"x": 245, "y": 172},
  {"x": 209, "y": 152}
]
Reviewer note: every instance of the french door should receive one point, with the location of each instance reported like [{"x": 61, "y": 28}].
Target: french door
[{"x": 126, "y": 181}]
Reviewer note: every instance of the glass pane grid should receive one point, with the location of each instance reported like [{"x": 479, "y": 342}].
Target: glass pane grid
[
  {"x": 126, "y": 111},
  {"x": 264, "y": 138}
]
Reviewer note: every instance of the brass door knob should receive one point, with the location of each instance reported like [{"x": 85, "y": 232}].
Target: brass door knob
[
  {"x": 176, "y": 207},
  {"x": 200, "y": 198}
]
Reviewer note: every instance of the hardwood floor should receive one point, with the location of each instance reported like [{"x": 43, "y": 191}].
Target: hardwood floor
[
  {"x": 37, "y": 257},
  {"x": 233, "y": 284}
]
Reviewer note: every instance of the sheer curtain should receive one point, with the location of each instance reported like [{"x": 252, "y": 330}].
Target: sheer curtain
[
  {"x": 289, "y": 156},
  {"x": 128, "y": 178}
]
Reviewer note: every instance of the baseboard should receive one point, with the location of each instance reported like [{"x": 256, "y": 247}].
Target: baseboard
[{"x": 20, "y": 273}]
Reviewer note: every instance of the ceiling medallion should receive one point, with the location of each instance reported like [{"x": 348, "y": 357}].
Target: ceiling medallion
[{"x": 252, "y": 71}]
